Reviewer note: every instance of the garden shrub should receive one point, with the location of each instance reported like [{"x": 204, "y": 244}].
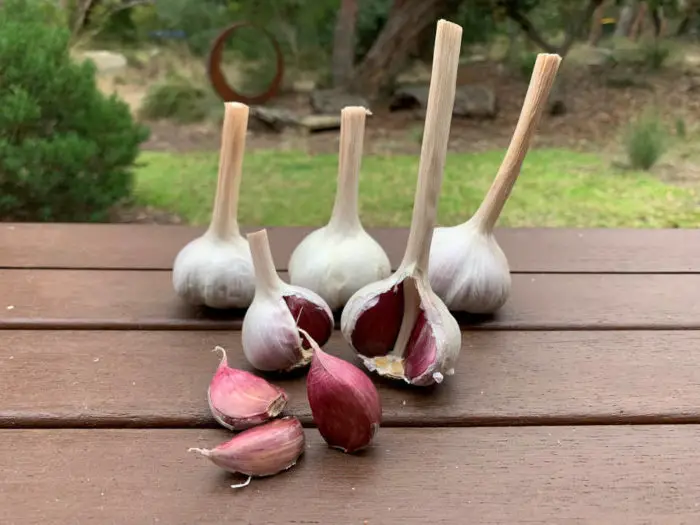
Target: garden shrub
[
  {"x": 66, "y": 149},
  {"x": 646, "y": 141}
]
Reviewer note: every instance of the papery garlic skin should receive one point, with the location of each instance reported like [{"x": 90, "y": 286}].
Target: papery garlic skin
[
  {"x": 344, "y": 402},
  {"x": 264, "y": 450},
  {"x": 337, "y": 264},
  {"x": 239, "y": 400},
  {"x": 216, "y": 273},
  {"x": 471, "y": 275}
]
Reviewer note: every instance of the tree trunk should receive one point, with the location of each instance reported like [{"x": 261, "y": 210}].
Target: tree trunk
[
  {"x": 407, "y": 20},
  {"x": 624, "y": 23},
  {"x": 344, "y": 43}
]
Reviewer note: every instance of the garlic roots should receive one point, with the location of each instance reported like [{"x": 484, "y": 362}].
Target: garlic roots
[
  {"x": 263, "y": 450},
  {"x": 239, "y": 400},
  {"x": 337, "y": 260},
  {"x": 344, "y": 402},
  {"x": 468, "y": 269},
  {"x": 398, "y": 325},
  {"x": 271, "y": 338},
  {"x": 216, "y": 269}
]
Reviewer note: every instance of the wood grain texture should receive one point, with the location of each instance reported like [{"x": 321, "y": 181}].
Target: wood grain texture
[
  {"x": 145, "y": 299},
  {"x": 537, "y": 475},
  {"x": 112, "y": 246},
  {"x": 142, "y": 379}
]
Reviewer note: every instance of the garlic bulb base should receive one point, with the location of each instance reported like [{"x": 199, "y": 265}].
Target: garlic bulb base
[
  {"x": 468, "y": 269},
  {"x": 335, "y": 263},
  {"x": 215, "y": 273}
]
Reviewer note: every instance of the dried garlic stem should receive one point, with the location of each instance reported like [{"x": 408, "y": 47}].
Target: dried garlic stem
[
  {"x": 224, "y": 222},
  {"x": 352, "y": 132},
  {"x": 541, "y": 82},
  {"x": 436, "y": 133},
  {"x": 266, "y": 278}
]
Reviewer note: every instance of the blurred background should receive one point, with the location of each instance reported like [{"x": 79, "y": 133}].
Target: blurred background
[{"x": 108, "y": 112}]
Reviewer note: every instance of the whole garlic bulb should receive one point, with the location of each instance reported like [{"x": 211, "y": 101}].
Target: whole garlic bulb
[
  {"x": 216, "y": 269},
  {"x": 468, "y": 269},
  {"x": 337, "y": 260}
]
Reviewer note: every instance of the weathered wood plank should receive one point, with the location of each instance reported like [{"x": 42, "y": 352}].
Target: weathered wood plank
[
  {"x": 145, "y": 299},
  {"x": 122, "y": 379},
  {"x": 538, "y": 475},
  {"x": 109, "y": 246}
]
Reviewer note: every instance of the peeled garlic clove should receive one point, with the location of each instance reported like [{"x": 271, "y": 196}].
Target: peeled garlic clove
[
  {"x": 264, "y": 450},
  {"x": 240, "y": 400},
  {"x": 337, "y": 260},
  {"x": 468, "y": 269},
  {"x": 344, "y": 402},
  {"x": 271, "y": 338},
  {"x": 216, "y": 269},
  {"x": 398, "y": 325}
]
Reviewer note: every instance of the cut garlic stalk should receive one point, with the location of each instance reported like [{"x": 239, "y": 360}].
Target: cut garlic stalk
[
  {"x": 337, "y": 260},
  {"x": 270, "y": 333},
  {"x": 216, "y": 269},
  {"x": 400, "y": 328},
  {"x": 468, "y": 269}
]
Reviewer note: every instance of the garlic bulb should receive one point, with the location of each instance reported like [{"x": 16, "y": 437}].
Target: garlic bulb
[
  {"x": 216, "y": 269},
  {"x": 468, "y": 269},
  {"x": 337, "y": 260},
  {"x": 270, "y": 333},
  {"x": 398, "y": 325}
]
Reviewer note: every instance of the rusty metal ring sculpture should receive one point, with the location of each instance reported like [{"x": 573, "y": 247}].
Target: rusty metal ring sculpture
[{"x": 218, "y": 80}]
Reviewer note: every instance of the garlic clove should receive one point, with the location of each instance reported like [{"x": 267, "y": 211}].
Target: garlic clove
[
  {"x": 270, "y": 333},
  {"x": 398, "y": 325},
  {"x": 216, "y": 269},
  {"x": 337, "y": 260},
  {"x": 468, "y": 269},
  {"x": 239, "y": 400},
  {"x": 344, "y": 402},
  {"x": 264, "y": 450}
]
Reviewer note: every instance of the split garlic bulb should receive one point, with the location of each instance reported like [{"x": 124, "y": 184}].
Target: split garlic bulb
[
  {"x": 468, "y": 269},
  {"x": 276, "y": 323},
  {"x": 216, "y": 269},
  {"x": 398, "y": 325},
  {"x": 337, "y": 260}
]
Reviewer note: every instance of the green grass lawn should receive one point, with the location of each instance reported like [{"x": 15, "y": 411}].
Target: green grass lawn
[{"x": 555, "y": 188}]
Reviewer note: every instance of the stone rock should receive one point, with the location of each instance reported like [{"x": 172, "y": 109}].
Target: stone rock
[
  {"x": 470, "y": 101},
  {"x": 105, "y": 61},
  {"x": 331, "y": 101},
  {"x": 314, "y": 123},
  {"x": 278, "y": 119}
]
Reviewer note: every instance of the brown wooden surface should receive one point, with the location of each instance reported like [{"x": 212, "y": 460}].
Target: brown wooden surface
[
  {"x": 155, "y": 379},
  {"x": 578, "y": 403},
  {"x": 110, "y": 246},
  {"x": 542, "y": 475},
  {"x": 127, "y": 299}
]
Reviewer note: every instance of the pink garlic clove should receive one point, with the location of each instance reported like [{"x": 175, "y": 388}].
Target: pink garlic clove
[
  {"x": 239, "y": 400},
  {"x": 310, "y": 316},
  {"x": 263, "y": 450},
  {"x": 344, "y": 402}
]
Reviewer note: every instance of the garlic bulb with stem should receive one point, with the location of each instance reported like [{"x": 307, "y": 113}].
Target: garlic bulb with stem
[
  {"x": 270, "y": 332},
  {"x": 468, "y": 269},
  {"x": 216, "y": 269},
  {"x": 399, "y": 326},
  {"x": 337, "y": 260}
]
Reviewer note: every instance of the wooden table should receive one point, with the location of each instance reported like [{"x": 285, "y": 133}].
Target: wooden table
[{"x": 578, "y": 403}]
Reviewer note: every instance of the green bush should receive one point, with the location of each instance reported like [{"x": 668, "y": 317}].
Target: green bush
[
  {"x": 646, "y": 141},
  {"x": 177, "y": 99},
  {"x": 66, "y": 150}
]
